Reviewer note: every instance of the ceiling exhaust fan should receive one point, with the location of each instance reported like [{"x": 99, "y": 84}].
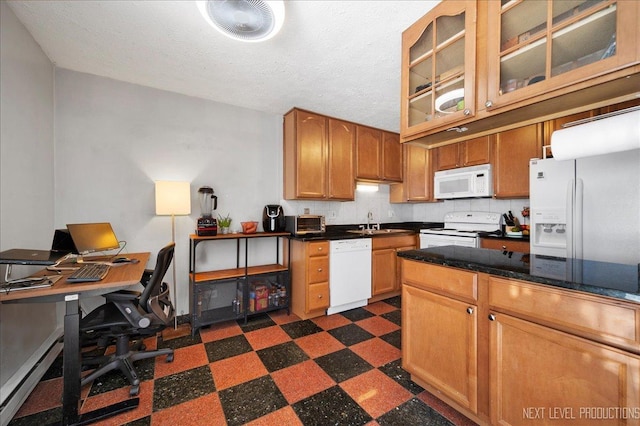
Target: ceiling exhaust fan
[{"x": 244, "y": 20}]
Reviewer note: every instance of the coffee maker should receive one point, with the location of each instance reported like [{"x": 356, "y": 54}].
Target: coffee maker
[
  {"x": 207, "y": 224},
  {"x": 273, "y": 218}
]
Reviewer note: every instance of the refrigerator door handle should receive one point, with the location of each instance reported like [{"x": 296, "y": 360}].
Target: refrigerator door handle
[
  {"x": 577, "y": 227},
  {"x": 569, "y": 216}
]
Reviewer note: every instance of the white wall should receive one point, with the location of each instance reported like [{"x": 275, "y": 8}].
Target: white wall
[
  {"x": 114, "y": 139},
  {"x": 26, "y": 180}
]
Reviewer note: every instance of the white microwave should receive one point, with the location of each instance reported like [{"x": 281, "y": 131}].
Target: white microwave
[{"x": 465, "y": 182}]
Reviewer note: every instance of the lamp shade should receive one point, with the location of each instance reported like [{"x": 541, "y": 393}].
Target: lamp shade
[{"x": 173, "y": 198}]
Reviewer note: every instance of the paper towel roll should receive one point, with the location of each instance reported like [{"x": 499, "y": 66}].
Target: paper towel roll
[{"x": 604, "y": 136}]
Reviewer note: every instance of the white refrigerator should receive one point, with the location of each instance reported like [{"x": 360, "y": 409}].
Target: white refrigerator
[{"x": 587, "y": 208}]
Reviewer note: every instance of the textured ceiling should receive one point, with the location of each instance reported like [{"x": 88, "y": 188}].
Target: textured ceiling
[{"x": 340, "y": 58}]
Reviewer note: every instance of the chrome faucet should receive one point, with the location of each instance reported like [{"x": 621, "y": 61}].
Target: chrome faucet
[{"x": 370, "y": 226}]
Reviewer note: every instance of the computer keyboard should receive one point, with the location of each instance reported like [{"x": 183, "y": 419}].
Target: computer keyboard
[{"x": 89, "y": 272}]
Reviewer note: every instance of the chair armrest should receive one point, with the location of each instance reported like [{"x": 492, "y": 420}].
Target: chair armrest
[
  {"x": 132, "y": 314},
  {"x": 146, "y": 276}
]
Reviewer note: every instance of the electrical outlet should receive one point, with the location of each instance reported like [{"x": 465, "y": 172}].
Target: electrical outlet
[
  {"x": 391, "y": 213},
  {"x": 214, "y": 293},
  {"x": 332, "y": 214},
  {"x": 306, "y": 210}
]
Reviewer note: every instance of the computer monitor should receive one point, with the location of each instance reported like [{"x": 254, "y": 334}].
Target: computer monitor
[{"x": 93, "y": 237}]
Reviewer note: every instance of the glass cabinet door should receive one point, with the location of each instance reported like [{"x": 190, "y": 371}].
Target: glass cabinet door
[
  {"x": 549, "y": 43},
  {"x": 438, "y": 86}
]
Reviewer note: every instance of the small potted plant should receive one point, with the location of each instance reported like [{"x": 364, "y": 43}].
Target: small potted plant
[{"x": 224, "y": 223}]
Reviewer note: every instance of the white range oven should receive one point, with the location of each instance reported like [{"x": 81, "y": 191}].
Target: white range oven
[{"x": 461, "y": 229}]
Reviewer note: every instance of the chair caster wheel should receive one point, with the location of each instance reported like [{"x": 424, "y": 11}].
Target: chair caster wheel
[
  {"x": 170, "y": 358},
  {"x": 134, "y": 390}
]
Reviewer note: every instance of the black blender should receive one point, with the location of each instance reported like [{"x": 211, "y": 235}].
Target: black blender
[{"x": 207, "y": 224}]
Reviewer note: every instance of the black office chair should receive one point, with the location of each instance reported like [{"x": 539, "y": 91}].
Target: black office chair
[{"x": 127, "y": 316}]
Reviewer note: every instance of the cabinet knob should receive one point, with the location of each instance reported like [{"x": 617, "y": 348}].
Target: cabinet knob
[
  {"x": 319, "y": 269},
  {"x": 492, "y": 317},
  {"x": 319, "y": 296},
  {"x": 469, "y": 310},
  {"x": 488, "y": 104},
  {"x": 319, "y": 248},
  {"x": 504, "y": 247},
  {"x": 467, "y": 111}
]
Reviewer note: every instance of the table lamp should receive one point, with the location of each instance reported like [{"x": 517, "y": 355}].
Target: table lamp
[{"x": 173, "y": 198}]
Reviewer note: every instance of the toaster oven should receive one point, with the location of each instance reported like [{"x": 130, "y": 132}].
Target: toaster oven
[{"x": 305, "y": 224}]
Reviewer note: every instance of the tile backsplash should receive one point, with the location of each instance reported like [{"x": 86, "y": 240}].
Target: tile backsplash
[{"x": 355, "y": 212}]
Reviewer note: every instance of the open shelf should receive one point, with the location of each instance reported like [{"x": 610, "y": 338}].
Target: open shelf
[
  {"x": 237, "y": 293},
  {"x": 224, "y": 274}
]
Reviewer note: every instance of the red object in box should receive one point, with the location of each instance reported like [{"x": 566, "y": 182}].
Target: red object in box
[{"x": 260, "y": 299}]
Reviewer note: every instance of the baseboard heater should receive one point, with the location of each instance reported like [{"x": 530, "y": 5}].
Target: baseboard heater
[{"x": 22, "y": 383}]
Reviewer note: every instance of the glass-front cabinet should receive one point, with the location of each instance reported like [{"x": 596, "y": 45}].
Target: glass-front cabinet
[
  {"x": 438, "y": 69},
  {"x": 546, "y": 45}
]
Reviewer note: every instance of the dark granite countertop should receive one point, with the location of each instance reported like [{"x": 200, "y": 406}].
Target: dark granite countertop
[
  {"x": 601, "y": 278},
  {"x": 341, "y": 232},
  {"x": 524, "y": 238}
]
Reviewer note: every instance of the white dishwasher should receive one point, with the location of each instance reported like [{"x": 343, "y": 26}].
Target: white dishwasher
[{"x": 349, "y": 274}]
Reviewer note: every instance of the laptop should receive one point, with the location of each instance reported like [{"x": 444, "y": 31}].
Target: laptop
[
  {"x": 93, "y": 237},
  {"x": 30, "y": 257},
  {"x": 61, "y": 245}
]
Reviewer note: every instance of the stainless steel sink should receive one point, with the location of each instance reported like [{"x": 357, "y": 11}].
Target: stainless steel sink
[{"x": 378, "y": 231}]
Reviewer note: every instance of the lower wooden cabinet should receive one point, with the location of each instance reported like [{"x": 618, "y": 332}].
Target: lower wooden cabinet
[
  {"x": 439, "y": 344},
  {"x": 506, "y": 245},
  {"x": 542, "y": 376},
  {"x": 520, "y": 353},
  {"x": 309, "y": 267},
  {"x": 385, "y": 268}
]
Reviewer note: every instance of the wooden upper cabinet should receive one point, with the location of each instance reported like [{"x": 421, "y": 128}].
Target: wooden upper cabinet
[
  {"x": 417, "y": 184},
  {"x": 448, "y": 157},
  {"x": 536, "y": 47},
  {"x": 368, "y": 153},
  {"x": 378, "y": 155},
  {"x": 621, "y": 105},
  {"x": 318, "y": 157},
  {"x": 391, "y": 157},
  {"x": 463, "y": 154},
  {"x": 511, "y": 154},
  {"x": 438, "y": 68},
  {"x": 531, "y": 61},
  {"x": 476, "y": 151},
  {"x": 305, "y": 154},
  {"x": 341, "y": 182}
]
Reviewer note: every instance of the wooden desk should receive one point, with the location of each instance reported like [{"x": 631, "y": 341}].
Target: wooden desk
[{"x": 119, "y": 277}]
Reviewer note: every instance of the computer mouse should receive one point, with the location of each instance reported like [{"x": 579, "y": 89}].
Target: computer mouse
[{"x": 122, "y": 260}]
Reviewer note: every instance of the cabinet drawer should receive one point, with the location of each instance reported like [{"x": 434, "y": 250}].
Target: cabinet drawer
[
  {"x": 393, "y": 242},
  {"x": 318, "y": 296},
  {"x": 449, "y": 281},
  {"x": 492, "y": 243},
  {"x": 318, "y": 248},
  {"x": 596, "y": 318},
  {"x": 318, "y": 269}
]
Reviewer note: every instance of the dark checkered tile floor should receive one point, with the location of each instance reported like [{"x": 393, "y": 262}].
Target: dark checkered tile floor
[{"x": 342, "y": 369}]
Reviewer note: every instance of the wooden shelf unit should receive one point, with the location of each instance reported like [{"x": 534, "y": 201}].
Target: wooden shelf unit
[{"x": 231, "y": 287}]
